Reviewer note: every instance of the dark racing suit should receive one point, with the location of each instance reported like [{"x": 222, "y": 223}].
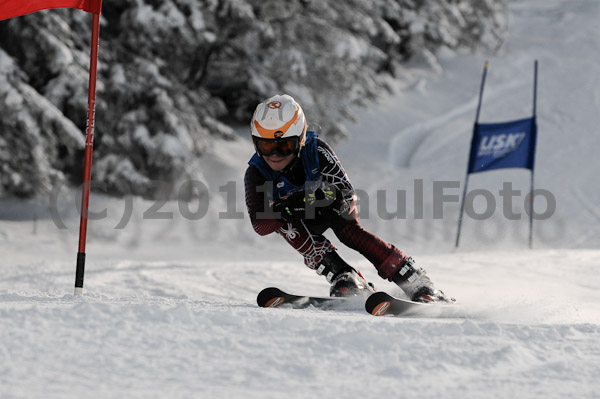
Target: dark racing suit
[{"x": 306, "y": 235}]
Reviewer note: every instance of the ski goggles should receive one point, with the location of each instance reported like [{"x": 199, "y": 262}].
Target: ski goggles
[{"x": 282, "y": 147}]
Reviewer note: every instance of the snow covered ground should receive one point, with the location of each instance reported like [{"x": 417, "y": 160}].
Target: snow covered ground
[{"x": 169, "y": 305}]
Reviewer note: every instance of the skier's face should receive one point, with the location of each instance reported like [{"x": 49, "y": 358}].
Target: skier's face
[{"x": 277, "y": 162}]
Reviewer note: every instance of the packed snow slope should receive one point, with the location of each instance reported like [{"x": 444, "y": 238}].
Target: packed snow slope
[{"x": 169, "y": 304}]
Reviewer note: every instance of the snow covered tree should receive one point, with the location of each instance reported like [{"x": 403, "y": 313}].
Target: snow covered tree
[{"x": 174, "y": 74}]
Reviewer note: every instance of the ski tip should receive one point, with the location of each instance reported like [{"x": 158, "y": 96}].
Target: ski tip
[
  {"x": 378, "y": 303},
  {"x": 381, "y": 308},
  {"x": 270, "y": 298},
  {"x": 275, "y": 302}
]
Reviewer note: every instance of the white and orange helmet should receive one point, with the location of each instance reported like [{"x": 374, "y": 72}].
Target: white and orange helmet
[{"x": 277, "y": 119}]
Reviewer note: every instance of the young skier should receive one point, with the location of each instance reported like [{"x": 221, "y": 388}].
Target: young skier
[{"x": 296, "y": 187}]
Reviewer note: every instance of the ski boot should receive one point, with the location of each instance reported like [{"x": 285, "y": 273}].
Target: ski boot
[
  {"x": 415, "y": 283},
  {"x": 344, "y": 279}
]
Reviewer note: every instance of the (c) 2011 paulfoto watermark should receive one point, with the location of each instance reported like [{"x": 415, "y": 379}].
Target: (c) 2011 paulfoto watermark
[{"x": 193, "y": 201}]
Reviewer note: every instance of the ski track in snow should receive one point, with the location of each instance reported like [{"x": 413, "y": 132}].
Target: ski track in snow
[{"x": 169, "y": 306}]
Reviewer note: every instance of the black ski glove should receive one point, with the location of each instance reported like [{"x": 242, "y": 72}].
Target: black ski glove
[
  {"x": 332, "y": 200},
  {"x": 292, "y": 208},
  {"x": 325, "y": 203}
]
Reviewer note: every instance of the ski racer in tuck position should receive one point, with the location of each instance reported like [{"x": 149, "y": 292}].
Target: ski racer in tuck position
[{"x": 296, "y": 187}]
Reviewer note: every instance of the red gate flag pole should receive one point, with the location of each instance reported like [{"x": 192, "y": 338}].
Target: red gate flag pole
[
  {"x": 15, "y": 8},
  {"x": 87, "y": 163}
]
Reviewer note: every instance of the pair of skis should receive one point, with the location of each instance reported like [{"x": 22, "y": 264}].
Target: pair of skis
[{"x": 377, "y": 304}]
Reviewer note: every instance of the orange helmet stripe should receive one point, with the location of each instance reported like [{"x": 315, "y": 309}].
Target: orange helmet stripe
[{"x": 270, "y": 133}]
